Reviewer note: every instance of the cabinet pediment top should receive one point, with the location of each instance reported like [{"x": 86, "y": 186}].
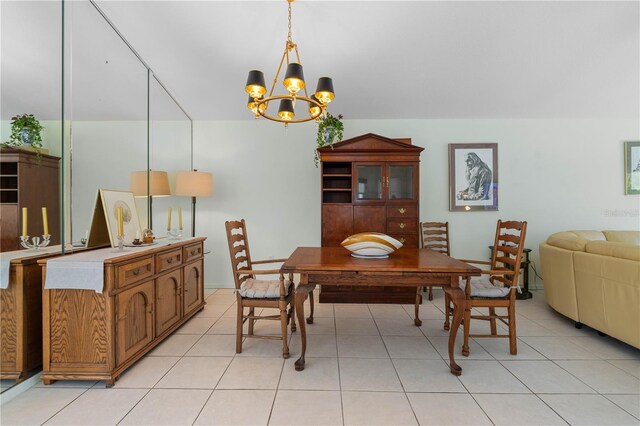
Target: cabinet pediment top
[{"x": 373, "y": 142}]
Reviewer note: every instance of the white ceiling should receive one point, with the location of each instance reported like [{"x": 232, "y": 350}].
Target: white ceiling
[{"x": 388, "y": 59}]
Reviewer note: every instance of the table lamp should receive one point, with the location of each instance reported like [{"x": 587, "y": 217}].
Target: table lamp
[
  {"x": 153, "y": 184},
  {"x": 194, "y": 184}
]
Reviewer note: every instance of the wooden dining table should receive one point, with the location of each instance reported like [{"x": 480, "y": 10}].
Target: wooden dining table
[{"x": 407, "y": 267}]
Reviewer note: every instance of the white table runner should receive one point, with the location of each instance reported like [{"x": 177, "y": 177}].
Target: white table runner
[
  {"x": 7, "y": 256},
  {"x": 85, "y": 271}
]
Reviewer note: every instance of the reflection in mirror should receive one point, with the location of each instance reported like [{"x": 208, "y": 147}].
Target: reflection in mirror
[
  {"x": 107, "y": 89},
  {"x": 169, "y": 151},
  {"x": 31, "y": 71}
]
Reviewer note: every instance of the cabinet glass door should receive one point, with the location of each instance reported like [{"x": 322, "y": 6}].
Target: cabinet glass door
[
  {"x": 369, "y": 180},
  {"x": 401, "y": 182}
]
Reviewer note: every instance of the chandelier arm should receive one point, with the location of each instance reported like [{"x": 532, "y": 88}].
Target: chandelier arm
[
  {"x": 300, "y": 62},
  {"x": 275, "y": 79},
  {"x": 267, "y": 100}
]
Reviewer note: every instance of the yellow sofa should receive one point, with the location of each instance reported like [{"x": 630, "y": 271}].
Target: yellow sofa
[{"x": 593, "y": 277}]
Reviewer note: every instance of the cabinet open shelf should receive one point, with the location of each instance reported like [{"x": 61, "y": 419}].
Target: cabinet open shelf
[
  {"x": 9, "y": 196},
  {"x": 9, "y": 168},
  {"x": 342, "y": 169}
]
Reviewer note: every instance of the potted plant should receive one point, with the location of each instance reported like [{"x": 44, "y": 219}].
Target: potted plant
[
  {"x": 330, "y": 130},
  {"x": 25, "y": 130}
]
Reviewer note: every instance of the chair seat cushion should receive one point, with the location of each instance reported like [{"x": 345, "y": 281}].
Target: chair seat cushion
[
  {"x": 263, "y": 289},
  {"x": 482, "y": 287}
]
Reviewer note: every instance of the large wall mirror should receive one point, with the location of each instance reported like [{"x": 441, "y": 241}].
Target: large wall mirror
[
  {"x": 170, "y": 131},
  {"x": 106, "y": 115},
  {"x": 106, "y": 86},
  {"x": 31, "y": 75}
]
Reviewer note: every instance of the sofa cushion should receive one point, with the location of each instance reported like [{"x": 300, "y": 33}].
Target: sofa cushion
[
  {"x": 631, "y": 237},
  {"x": 614, "y": 249},
  {"x": 574, "y": 240}
]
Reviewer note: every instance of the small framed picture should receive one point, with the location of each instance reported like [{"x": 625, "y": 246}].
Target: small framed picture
[
  {"x": 473, "y": 176},
  {"x": 632, "y": 168},
  {"x": 111, "y": 200}
]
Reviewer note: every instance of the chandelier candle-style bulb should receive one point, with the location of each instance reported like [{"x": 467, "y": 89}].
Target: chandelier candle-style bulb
[
  {"x": 294, "y": 78},
  {"x": 255, "y": 86},
  {"x": 324, "y": 90}
]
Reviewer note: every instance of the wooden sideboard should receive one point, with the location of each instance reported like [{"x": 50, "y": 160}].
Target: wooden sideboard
[
  {"x": 370, "y": 183},
  {"x": 21, "y": 317},
  {"x": 146, "y": 296}
]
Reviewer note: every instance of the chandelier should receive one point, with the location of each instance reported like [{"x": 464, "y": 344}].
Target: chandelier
[{"x": 316, "y": 104}]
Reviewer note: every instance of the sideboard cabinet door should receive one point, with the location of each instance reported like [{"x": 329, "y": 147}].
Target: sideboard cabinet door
[
  {"x": 168, "y": 300},
  {"x": 135, "y": 320},
  {"x": 193, "y": 287}
]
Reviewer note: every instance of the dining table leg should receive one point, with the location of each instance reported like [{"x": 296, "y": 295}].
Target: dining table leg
[
  {"x": 302, "y": 292},
  {"x": 457, "y": 298}
]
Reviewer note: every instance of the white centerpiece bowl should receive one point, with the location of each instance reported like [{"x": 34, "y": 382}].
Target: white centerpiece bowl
[{"x": 371, "y": 245}]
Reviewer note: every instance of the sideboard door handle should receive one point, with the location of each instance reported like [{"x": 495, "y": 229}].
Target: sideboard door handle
[
  {"x": 402, "y": 225},
  {"x": 170, "y": 260},
  {"x": 402, "y": 210},
  {"x": 136, "y": 271}
]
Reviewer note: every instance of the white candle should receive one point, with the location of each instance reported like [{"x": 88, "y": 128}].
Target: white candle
[
  {"x": 138, "y": 234},
  {"x": 24, "y": 221},
  {"x": 45, "y": 222},
  {"x": 120, "y": 223}
]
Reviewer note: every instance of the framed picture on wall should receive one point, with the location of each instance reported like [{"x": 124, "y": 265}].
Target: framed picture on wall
[
  {"x": 473, "y": 176},
  {"x": 632, "y": 168}
]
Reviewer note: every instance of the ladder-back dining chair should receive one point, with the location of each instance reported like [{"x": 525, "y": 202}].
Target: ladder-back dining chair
[
  {"x": 497, "y": 286},
  {"x": 255, "y": 293},
  {"x": 435, "y": 236}
]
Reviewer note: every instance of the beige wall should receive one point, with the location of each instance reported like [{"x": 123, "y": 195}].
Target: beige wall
[{"x": 556, "y": 174}]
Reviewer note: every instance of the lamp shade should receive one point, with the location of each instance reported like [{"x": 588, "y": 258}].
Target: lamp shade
[
  {"x": 251, "y": 104},
  {"x": 158, "y": 183},
  {"x": 314, "y": 109},
  {"x": 255, "y": 86},
  {"x": 294, "y": 78},
  {"x": 324, "y": 90},
  {"x": 286, "y": 110},
  {"x": 194, "y": 184}
]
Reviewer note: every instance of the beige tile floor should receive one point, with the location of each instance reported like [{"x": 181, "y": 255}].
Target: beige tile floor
[{"x": 366, "y": 365}]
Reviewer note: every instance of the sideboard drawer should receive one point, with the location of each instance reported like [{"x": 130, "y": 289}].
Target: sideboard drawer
[
  {"x": 192, "y": 252},
  {"x": 133, "y": 272},
  {"x": 168, "y": 260},
  {"x": 402, "y": 211}
]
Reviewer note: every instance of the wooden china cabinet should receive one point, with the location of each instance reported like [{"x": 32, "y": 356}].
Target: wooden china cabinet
[
  {"x": 26, "y": 181},
  {"x": 370, "y": 183}
]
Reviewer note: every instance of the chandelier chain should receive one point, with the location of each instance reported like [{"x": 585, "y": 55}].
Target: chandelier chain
[{"x": 289, "y": 35}]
